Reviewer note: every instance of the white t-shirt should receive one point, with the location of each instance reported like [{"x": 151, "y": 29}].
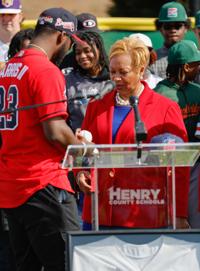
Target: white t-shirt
[
  {"x": 151, "y": 79},
  {"x": 163, "y": 254},
  {"x": 3, "y": 51}
]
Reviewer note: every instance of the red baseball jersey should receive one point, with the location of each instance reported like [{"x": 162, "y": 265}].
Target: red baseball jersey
[
  {"x": 28, "y": 162},
  {"x": 136, "y": 197}
]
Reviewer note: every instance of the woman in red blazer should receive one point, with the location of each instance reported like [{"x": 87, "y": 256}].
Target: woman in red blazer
[{"x": 132, "y": 198}]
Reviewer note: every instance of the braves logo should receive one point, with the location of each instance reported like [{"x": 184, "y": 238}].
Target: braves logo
[
  {"x": 65, "y": 25},
  {"x": 7, "y": 3}
]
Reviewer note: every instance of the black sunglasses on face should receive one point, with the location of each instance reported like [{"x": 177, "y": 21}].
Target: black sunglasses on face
[{"x": 172, "y": 26}]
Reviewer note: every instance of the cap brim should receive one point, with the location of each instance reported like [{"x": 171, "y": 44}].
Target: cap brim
[
  {"x": 10, "y": 11},
  {"x": 197, "y": 60},
  {"x": 172, "y": 21},
  {"x": 77, "y": 39}
]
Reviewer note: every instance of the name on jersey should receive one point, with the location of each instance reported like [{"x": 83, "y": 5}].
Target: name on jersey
[
  {"x": 14, "y": 70},
  {"x": 120, "y": 196}
]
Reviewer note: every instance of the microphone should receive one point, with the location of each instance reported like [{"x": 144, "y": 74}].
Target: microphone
[
  {"x": 108, "y": 87},
  {"x": 140, "y": 130}
]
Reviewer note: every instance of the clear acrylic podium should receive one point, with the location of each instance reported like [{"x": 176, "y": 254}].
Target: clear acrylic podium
[{"x": 143, "y": 178}]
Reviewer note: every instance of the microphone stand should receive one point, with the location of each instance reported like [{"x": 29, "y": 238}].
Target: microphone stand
[
  {"x": 140, "y": 130},
  {"x": 11, "y": 110}
]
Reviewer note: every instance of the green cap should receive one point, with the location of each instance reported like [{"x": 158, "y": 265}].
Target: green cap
[
  {"x": 197, "y": 19},
  {"x": 172, "y": 12},
  {"x": 182, "y": 52}
]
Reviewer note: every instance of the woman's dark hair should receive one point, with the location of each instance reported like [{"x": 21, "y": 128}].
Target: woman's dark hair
[
  {"x": 92, "y": 38},
  {"x": 16, "y": 43}
]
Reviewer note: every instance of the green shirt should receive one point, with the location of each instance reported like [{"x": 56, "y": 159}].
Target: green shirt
[{"x": 188, "y": 98}]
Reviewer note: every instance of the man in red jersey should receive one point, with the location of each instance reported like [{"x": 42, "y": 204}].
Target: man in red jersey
[{"x": 34, "y": 191}]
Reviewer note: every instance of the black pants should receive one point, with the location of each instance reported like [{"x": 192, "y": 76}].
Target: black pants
[
  {"x": 38, "y": 229},
  {"x": 7, "y": 262}
]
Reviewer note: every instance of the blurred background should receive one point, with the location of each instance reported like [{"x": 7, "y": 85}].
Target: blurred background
[
  {"x": 106, "y": 8},
  {"x": 98, "y": 7},
  {"x": 116, "y": 18}
]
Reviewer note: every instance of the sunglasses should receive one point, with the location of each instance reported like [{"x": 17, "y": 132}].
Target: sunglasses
[{"x": 172, "y": 26}]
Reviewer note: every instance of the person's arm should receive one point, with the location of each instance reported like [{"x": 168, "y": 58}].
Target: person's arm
[
  {"x": 83, "y": 180},
  {"x": 182, "y": 223},
  {"x": 57, "y": 131}
]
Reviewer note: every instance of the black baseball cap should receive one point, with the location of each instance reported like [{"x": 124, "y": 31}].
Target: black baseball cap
[
  {"x": 87, "y": 22},
  {"x": 59, "y": 19}
]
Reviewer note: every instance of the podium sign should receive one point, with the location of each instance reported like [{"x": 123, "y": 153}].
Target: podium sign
[{"x": 132, "y": 192}]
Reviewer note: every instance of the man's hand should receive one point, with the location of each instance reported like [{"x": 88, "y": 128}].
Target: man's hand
[{"x": 86, "y": 139}]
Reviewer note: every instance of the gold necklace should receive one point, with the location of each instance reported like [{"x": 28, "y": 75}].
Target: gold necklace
[{"x": 38, "y": 47}]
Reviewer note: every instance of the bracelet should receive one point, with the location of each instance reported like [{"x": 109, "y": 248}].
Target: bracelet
[{"x": 85, "y": 148}]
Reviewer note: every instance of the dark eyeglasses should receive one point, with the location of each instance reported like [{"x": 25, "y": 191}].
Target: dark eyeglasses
[{"x": 172, "y": 26}]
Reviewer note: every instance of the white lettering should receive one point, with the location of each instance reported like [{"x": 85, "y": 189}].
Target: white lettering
[
  {"x": 155, "y": 193},
  {"x": 22, "y": 72},
  {"x": 120, "y": 196},
  {"x": 14, "y": 70},
  {"x": 114, "y": 194},
  {"x": 135, "y": 194},
  {"x": 125, "y": 194},
  {"x": 145, "y": 194}
]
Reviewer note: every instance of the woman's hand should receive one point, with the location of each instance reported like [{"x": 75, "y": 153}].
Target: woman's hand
[
  {"x": 182, "y": 223},
  {"x": 83, "y": 180}
]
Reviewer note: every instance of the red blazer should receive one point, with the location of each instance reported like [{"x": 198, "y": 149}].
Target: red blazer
[{"x": 136, "y": 197}]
